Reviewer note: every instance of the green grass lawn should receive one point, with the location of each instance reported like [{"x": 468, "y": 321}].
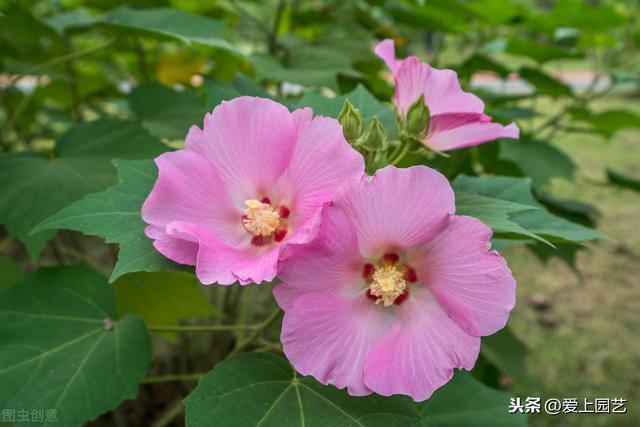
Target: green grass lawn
[{"x": 583, "y": 331}]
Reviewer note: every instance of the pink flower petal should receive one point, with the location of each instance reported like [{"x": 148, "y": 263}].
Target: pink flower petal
[
  {"x": 329, "y": 336},
  {"x": 397, "y": 208},
  {"x": 418, "y": 355},
  {"x": 217, "y": 262},
  {"x": 177, "y": 250},
  {"x": 458, "y": 130},
  {"x": 188, "y": 189},
  {"x": 249, "y": 141},
  {"x": 330, "y": 263},
  {"x": 386, "y": 50},
  {"x": 441, "y": 89},
  {"x": 473, "y": 285}
]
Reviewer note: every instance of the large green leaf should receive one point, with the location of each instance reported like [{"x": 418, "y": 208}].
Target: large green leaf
[
  {"x": 166, "y": 113},
  {"x": 114, "y": 215},
  {"x": 63, "y": 348},
  {"x": 538, "y": 221},
  {"x": 495, "y": 213},
  {"x": 262, "y": 389},
  {"x": 35, "y": 186},
  {"x": 538, "y": 160},
  {"x": 162, "y": 299},
  {"x": 168, "y": 23}
]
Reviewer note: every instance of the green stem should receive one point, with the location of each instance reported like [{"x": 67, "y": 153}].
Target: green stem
[
  {"x": 172, "y": 378},
  {"x": 405, "y": 150},
  {"x": 273, "y": 34},
  {"x": 203, "y": 328},
  {"x": 169, "y": 415},
  {"x": 241, "y": 345}
]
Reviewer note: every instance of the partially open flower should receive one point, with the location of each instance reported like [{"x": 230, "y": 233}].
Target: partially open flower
[
  {"x": 253, "y": 180},
  {"x": 457, "y": 118},
  {"x": 395, "y": 291}
]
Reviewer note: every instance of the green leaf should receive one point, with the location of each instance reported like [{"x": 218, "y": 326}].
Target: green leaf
[
  {"x": 168, "y": 23},
  {"x": 504, "y": 350},
  {"x": 241, "y": 86},
  {"x": 114, "y": 215},
  {"x": 538, "y": 160},
  {"x": 69, "y": 20},
  {"x": 253, "y": 389},
  {"x": 262, "y": 389},
  {"x": 495, "y": 213},
  {"x": 608, "y": 122},
  {"x": 166, "y": 113},
  {"x": 465, "y": 402},
  {"x": 544, "y": 83},
  {"x": 314, "y": 66},
  {"x": 10, "y": 273},
  {"x": 162, "y": 299},
  {"x": 540, "y": 52},
  {"x": 62, "y": 347},
  {"x": 430, "y": 18},
  {"x": 538, "y": 221},
  {"x": 623, "y": 180},
  {"x": 35, "y": 186}
]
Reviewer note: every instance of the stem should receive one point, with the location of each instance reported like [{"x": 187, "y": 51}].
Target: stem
[
  {"x": 73, "y": 83},
  {"x": 406, "y": 146},
  {"x": 169, "y": 415},
  {"x": 241, "y": 345},
  {"x": 172, "y": 378},
  {"x": 273, "y": 34},
  {"x": 203, "y": 328}
]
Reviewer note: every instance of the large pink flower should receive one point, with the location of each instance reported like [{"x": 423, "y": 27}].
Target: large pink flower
[
  {"x": 395, "y": 291},
  {"x": 457, "y": 117},
  {"x": 253, "y": 180}
]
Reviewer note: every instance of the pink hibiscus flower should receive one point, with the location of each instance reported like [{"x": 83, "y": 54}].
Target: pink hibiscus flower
[
  {"x": 395, "y": 291},
  {"x": 249, "y": 183},
  {"x": 457, "y": 117}
]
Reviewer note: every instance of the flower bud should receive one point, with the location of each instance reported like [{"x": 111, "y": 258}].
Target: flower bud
[
  {"x": 374, "y": 137},
  {"x": 351, "y": 122},
  {"x": 418, "y": 117}
]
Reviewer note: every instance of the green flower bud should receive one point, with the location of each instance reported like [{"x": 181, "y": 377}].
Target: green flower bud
[
  {"x": 351, "y": 122},
  {"x": 374, "y": 137},
  {"x": 417, "y": 118}
]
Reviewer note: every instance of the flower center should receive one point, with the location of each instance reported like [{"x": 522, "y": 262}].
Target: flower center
[
  {"x": 387, "y": 284},
  {"x": 260, "y": 219}
]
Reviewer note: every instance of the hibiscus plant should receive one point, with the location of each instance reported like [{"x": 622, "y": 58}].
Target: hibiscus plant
[{"x": 286, "y": 213}]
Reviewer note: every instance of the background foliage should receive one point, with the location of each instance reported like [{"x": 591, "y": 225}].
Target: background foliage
[{"x": 92, "y": 90}]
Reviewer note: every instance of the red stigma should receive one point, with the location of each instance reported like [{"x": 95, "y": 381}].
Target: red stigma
[
  {"x": 367, "y": 271},
  {"x": 410, "y": 275},
  {"x": 278, "y": 236},
  {"x": 391, "y": 258},
  {"x": 284, "y": 211},
  {"x": 371, "y": 296},
  {"x": 265, "y": 200},
  {"x": 402, "y": 298},
  {"x": 258, "y": 241}
]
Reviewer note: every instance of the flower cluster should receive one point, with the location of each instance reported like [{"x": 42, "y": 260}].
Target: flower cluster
[{"x": 384, "y": 288}]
